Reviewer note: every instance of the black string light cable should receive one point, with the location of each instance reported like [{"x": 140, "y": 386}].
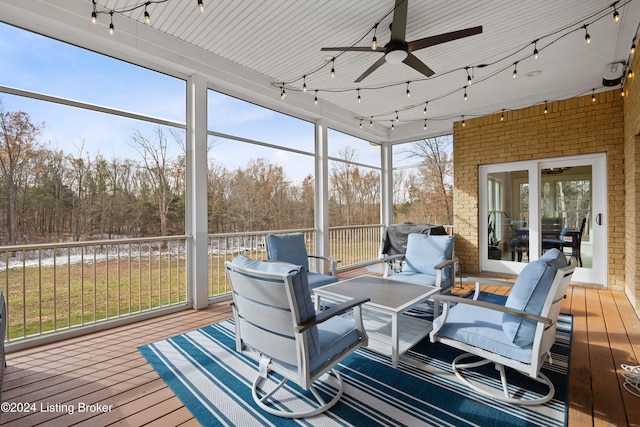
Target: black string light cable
[
  {"x": 562, "y": 33},
  {"x": 122, "y": 11}
]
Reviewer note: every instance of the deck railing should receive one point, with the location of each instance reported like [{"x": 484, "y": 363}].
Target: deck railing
[
  {"x": 61, "y": 286},
  {"x": 350, "y": 244},
  {"x": 64, "y": 286}
]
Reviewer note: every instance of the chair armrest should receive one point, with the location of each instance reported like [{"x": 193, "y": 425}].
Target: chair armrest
[
  {"x": 332, "y": 262},
  {"x": 453, "y": 299},
  {"x": 333, "y": 311},
  {"x": 444, "y": 264}
]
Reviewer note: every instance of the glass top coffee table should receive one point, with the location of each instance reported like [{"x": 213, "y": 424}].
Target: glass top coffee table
[{"x": 390, "y": 331}]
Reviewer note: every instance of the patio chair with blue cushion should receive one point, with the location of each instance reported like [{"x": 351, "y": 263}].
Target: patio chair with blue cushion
[
  {"x": 518, "y": 335},
  {"x": 428, "y": 261},
  {"x": 291, "y": 248},
  {"x": 276, "y": 325}
]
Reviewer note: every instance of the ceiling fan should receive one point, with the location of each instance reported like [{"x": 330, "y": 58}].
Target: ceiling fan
[{"x": 399, "y": 50}]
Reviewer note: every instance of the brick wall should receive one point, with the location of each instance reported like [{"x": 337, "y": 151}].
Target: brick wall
[
  {"x": 632, "y": 185},
  {"x": 570, "y": 127}
]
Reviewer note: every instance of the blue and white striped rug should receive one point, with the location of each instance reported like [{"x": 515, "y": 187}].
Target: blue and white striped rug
[{"x": 214, "y": 383}]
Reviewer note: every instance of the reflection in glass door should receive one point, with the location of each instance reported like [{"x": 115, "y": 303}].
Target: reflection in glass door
[{"x": 531, "y": 207}]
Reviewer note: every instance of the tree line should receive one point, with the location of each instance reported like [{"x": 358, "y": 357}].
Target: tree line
[{"x": 48, "y": 195}]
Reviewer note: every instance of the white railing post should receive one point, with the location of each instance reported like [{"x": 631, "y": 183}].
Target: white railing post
[{"x": 196, "y": 192}]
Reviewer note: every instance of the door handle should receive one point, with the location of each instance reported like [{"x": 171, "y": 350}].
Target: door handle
[{"x": 599, "y": 219}]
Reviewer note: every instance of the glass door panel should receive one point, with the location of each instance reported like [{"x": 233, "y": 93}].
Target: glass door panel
[{"x": 529, "y": 207}]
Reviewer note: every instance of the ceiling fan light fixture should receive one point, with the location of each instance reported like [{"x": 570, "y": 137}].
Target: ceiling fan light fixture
[{"x": 396, "y": 56}]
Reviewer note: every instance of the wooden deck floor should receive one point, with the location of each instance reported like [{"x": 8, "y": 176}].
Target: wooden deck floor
[{"x": 106, "y": 368}]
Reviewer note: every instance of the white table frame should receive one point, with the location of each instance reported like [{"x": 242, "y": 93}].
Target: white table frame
[{"x": 389, "y": 298}]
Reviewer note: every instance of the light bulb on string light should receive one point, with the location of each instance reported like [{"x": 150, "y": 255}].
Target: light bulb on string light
[
  {"x": 333, "y": 68},
  {"x": 201, "y": 6},
  {"x": 633, "y": 47},
  {"x": 621, "y": 90},
  {"x": 94, "y": 13},
  {"x": 282, "y": 92},
  {"x": 515, "y": 70},
  {"x": 315, "y": 98},
  {"x": 502, "y": 116},
  {"x": 546, "y": 109},
  {"x": 408, "y": 91},
  {"x": 147, "y": 17},
  {"x": 593, "y": 95},
  {"x": 397, "y": 118},
  {"x": 360, "y": 123},
  {"x": 392, "y": 125},
  {"x": 536, "y": 54},
  {"x": 371, "y": 121},
  {"x": 463, "y": 123},
  {"x": 425, "y": 108},
  {"x": 374, "y": 41},
  {"x": 616, "y": 15},
  {"x": 304, "y": 83},
  {"x": 112, "y": 28},
  {"x": 587, "y": 37},
  {"x": 425, "y": 124},
  {"x": 465, "y": 93},
  {"x": 469, "y": 79},
  {"x": 359, "y": 98}
]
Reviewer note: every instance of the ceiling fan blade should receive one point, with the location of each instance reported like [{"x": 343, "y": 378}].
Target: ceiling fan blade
[
  {"x": 353, "y": 49},
  {"x": 442, "y": 38},
  {"x": 371, "y": 69},
  {"x": 399, "y": 24},
  {"x": 412, "y": 61}
]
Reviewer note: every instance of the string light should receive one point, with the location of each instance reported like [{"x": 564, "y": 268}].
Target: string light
[
  {"x": 282, "y": 92},
  {"x": 425, "y": 124},
  {"x": 630, "y": 73},
  {"x": 602, "y": 14},
  {"x": 633, "y": 46},
  {"x": 304, "y": 84},
  {"x": 587, "y": 37},
  {"x": 502, "y": 116},
  {"x": 359, "y": 99},
  {"x": 515, "y": 70},
  {"x": 465, "y": 93},
  {"x": 315, "y": 99},
  {"x": 408, "y": 91},
  {"x": 333, "y": 68},
  {"x": 616, "y": 15},
  {"x": 360, "y": 123},
  {"x": 371, "y": 121},
  {"x": 147, "y": 16},
  {"x": 593, "y": 95},
  {"x": 392, "y": 125},
  {"x": 621, "y": 90},
  {"x": 374, "y": 41},
  {"x": 463, "y": 123}
]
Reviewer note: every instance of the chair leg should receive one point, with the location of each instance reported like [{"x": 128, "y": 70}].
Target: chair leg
[
  {"x": 491, "y": 392},
  {"x": 311, "y": 408}
]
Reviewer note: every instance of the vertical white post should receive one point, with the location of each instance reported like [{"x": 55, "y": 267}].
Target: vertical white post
[
  {"x": 321, "y": 190},
  {"x": 196, "y": 192},
  {"x": 386, "y": 184}
]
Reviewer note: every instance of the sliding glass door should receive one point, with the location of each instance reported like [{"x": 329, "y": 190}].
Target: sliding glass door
[{"x": 530, "y": 207}]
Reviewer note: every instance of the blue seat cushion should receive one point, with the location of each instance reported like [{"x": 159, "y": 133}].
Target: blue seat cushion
[
  {"x": 529, "y": 294},
  {"x": 298, "y": 275},
  {"x": 335, "y": 335},
  {"x": 317, "y": 279},
  {"x": 424, "y": 252},
  {"x": 482, "y": 327},
  {"x": 414, "y": 278},
  {"x": 287, "y": 248}
]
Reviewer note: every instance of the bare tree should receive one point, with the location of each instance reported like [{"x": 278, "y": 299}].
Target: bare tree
[{"x": 18, "y": 147}]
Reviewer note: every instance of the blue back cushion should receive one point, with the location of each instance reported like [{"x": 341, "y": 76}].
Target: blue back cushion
[
  {"x": 529, "y": 294},
  {"x": 425, "y": 252},
  {"x": 287, "y": 248},
  {"x": 300, "y": 288}
]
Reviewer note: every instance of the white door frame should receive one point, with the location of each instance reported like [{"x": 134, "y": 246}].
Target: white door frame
[{"x": 597, "y": 274}]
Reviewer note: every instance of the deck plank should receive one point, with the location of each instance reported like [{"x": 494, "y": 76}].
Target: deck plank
[{"x": 106, "y": 367}]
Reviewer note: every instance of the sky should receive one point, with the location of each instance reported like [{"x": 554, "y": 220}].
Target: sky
[{"x": 39, "y": 64}]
